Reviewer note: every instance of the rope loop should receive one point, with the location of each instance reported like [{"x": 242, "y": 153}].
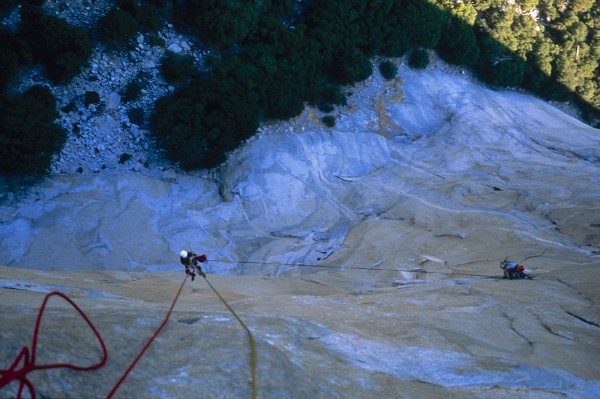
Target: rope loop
[{"x": 29, "y": 361}]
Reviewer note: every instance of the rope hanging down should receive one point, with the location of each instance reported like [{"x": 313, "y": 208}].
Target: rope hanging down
[
  {"x": 250, "y": 337},
  {"x": 12, "y": 373},
  {"x": 158, "y": 330}
]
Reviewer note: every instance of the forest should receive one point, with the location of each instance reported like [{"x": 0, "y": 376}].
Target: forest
[{"x": 268, "y": 58}]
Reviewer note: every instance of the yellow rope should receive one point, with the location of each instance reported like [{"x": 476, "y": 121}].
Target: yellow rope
[{"x": 250, "y": 337}]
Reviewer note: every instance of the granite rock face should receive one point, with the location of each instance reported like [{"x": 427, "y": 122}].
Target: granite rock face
[
  {"x": 331, "y": 334},
  {"x": 364, "y": 258}
]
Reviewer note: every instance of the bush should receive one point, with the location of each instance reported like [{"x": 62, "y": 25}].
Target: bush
[
  {"x": 351, "y": 66},
  {"x": 151, "y": 19},
  {"x": 221, "y": 24},
  {"x": 459, "y": 44},
  {"x": 507, "y": 72},
  {"x": 201, "y": 123},
  {"x": 117, "y": 27},
  {"x": 175, "y": 67},
  {"x": 333, "y": 94},
  {"x": 422, "y": 23},
  {"x": 7, "y": 5},
  {"x": 91, "y": 97},
  {"x": 155, "y": 40},
  {"x": 157, "y": 3},
  {"x": 148, "y": 16},
  {"x": 283, "y": 99},
  {"x": 258, "y": 70},
  {"x": 61, "y": 47},
  {"x": 276, "y": 55},
  {"x": 396, "y": 46},
  {"x": 325, "y": 107},
  {"x": 136, "y": 116},
  {"x": 336, "y": 26},
  {"x": 35, "y": 2},
  {"x": 28, "y": 136},
  {"x": 418, "y": 59},
  {"x": 124, "y": 158},
  {"x": 388, "y": 70},
  {"x": 70, "y": 107},
  {"x": 10, "y": 62},
  {"x": 132, "y": 91},
  {"x": 130, "y": 6},
  {"x": 328, "y": 121}
]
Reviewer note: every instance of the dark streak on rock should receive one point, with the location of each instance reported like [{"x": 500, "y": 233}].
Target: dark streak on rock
[{"x": 586, "y": 321}]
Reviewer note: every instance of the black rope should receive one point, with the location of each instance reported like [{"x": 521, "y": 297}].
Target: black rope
[
  {"x": 534, "y": 256},
  {"x": 370, "y": 268}
]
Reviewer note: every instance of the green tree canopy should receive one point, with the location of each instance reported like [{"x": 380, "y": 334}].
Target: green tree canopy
[
  {"x": 458, "y": 44},
  {"x": 280, "y": 54},
  {"x": 200, "y": 123},
  {"x": 61, "y": 47},
  {"x": 28, "y": 136},
  {"x": 176, "y": 67},
  {"x": 15, "y": 53},
  {"x": 422, "y": 23},
  {"x": 220, "y": 23},
  {"x": 350, "y": 66},
  {"x": 117, "y": 27},
  {"x": 418, "y": 59}
]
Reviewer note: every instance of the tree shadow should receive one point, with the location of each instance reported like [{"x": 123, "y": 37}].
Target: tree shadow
[{"x": 531, "y": 62}]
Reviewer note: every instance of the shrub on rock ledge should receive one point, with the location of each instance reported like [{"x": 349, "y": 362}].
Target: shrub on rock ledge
[
  {"x": 328, "y": 121},
  {"x": 418, "y": 59},
  {"x": 91, "y": 97},
  {"x": 388, "y": 70},
  {"x": 132, "y": 91},
  {"x": 176, "y": 67},
  {"x": 136, "y": 116}
]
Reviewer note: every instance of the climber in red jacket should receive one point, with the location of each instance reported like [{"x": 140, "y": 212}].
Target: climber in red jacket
[{"x": 191, "y": 262}]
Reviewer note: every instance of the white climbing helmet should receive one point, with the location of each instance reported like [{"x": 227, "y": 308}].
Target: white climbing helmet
[{"x": 183, "y": 254}]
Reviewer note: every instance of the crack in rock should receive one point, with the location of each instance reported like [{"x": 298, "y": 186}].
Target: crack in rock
[
  {"x": 511, "y": 322},
  {"x": 586, "y": 321}
]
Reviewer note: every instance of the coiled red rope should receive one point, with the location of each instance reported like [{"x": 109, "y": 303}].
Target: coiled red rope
[
  {"x": 29, "y": 362},
  {"x": 12, "y": 373}
]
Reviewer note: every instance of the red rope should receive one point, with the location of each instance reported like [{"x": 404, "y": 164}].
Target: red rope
[
  {"x": 110, "y": 395},
  {"x": 29, "y": 362},
  {"x": 12, "y": 373}
]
